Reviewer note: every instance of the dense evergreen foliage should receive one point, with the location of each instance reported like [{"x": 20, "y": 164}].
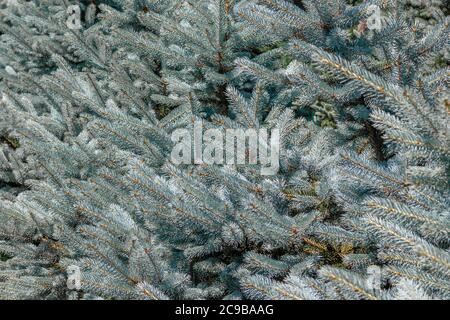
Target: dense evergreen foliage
[{"x": 86, "y": 178}]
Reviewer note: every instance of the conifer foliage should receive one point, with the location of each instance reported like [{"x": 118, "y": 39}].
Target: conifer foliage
[{"x": 92, "y": 207}]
